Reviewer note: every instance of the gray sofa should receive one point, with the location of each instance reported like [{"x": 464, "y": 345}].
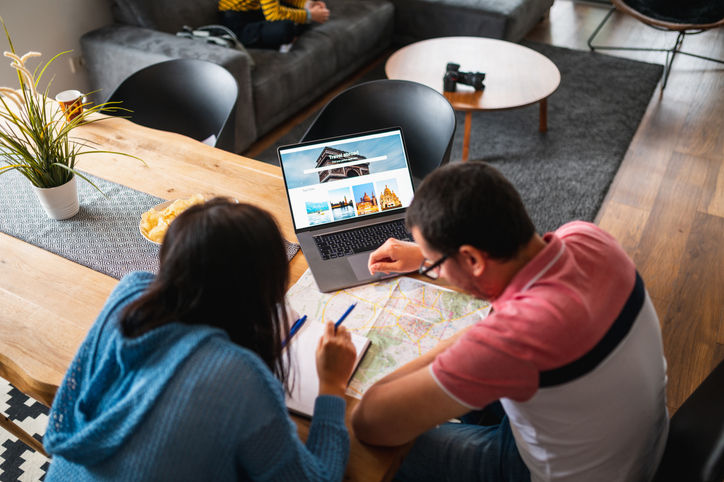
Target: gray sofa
[{"x": 273, "y": 85}]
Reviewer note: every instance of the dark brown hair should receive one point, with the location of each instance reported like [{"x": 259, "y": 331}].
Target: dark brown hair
[
  {"x": 470, "y": 203},
  {"x": 222, "y": 264}
]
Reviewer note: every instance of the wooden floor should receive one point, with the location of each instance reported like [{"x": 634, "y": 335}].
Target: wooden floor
[{"x": 666, "y": 205}]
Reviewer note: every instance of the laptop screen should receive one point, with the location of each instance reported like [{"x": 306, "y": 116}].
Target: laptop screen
[{"x": 346, "y": 178}]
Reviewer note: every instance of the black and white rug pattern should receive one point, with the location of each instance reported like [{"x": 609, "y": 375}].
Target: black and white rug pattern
[{"x": 18, "y": 462}]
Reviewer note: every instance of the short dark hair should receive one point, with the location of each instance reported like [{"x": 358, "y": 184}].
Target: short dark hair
[
  {"x": 222, "y": 264},
  {"x": 470, "y": 203}
]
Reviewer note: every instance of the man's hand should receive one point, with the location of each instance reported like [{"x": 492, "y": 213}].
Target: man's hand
[
  {"x": 335, "y": 360},
  {"x": 318, "y": 12},
  {"x": 395, "y": 256}
]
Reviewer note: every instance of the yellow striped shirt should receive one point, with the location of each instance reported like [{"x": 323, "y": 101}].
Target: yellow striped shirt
[{"x": 272, "y": 9}]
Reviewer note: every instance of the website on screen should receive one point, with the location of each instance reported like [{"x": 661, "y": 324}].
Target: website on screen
[{"x": 344, "y": 179}]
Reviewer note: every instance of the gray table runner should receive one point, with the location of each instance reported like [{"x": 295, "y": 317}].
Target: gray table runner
[{"x": 103, "y": 236}]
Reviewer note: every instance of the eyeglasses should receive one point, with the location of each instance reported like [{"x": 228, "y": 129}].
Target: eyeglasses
[{"x": 428, "y": 268}]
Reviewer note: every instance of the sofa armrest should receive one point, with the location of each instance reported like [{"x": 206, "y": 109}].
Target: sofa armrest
[{"x": 114, "y": 52}]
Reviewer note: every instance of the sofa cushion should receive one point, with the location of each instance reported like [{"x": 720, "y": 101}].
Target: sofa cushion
[
  {"x": 166, "y": 15},
  {"x": 281, "y": 79},
  {"x": 503, "y": 19},
  {"x": 357, "y": 26}
]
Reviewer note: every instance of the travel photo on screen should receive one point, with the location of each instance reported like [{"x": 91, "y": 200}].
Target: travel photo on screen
[
  {"x": 365, "y": 198},
  {"x": 318, "y": 211},
  {"x": 388, "y": 194},
  {"x": 341, "y": 202},
  {"x": 334, "y": 161}
]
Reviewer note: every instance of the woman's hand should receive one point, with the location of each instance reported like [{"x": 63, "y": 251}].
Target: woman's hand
[
  {"x": 395, "y": 256},
  {"x": 335, "y": 360}
]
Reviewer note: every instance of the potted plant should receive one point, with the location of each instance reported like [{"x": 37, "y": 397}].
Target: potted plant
[{"x": 35, "y": 136}]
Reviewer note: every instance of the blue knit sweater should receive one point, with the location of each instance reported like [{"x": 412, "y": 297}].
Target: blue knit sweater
[{"x": 181, "y": 403}]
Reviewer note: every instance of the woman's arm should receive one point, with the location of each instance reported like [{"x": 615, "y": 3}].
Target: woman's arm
[{"x": 272, "y": 449}]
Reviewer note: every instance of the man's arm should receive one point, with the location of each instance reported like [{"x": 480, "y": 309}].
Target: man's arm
[{"x": 405, "y": 403}]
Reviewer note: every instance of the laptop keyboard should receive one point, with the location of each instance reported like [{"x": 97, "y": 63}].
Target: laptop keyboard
[{"x": 366, "y": 238}]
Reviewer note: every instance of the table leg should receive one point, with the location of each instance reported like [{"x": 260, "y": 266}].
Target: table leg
[
  {"x": 466, "y": 135},
  {"x": 543, "y": 115},
  {"x": 24, "y": 436}
]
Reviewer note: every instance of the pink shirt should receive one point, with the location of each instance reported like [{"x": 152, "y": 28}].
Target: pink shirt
[{"x": 554, "y": 310}]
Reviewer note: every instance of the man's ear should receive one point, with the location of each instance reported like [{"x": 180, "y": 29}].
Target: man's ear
[{"x": 472, "y": 259}]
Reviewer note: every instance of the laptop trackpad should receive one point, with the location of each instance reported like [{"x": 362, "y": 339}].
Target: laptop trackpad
[{"x": 359, "y": 265}]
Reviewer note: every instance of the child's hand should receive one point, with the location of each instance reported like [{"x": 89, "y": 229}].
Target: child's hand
[{"x": 318, "y": 12}]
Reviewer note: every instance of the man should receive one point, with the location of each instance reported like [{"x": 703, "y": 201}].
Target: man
[{"x": 572, "y": 347}]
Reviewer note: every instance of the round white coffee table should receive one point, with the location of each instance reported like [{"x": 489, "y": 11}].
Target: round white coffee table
[{"x": 515, "y": 76}]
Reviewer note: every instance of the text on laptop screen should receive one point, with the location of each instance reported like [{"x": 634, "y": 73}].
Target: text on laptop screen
[{"x": 347, "y": 178}]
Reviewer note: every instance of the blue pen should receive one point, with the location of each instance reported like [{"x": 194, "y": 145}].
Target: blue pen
[
  {"x": 341, "y": 318},
  {"x": 295, "y": 328}
]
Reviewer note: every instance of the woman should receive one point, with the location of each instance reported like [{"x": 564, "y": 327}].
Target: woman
[{"x": 181, "y": 377}]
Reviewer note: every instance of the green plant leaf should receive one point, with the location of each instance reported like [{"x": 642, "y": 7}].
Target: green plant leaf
[
  {"x": 37, "y": 79},
  {"x": 35, "y": 138}
]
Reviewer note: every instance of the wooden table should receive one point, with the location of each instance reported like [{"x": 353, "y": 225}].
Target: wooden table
[
  {"x": 515, "y": 76},
  {"x": 48, "y": 302}
]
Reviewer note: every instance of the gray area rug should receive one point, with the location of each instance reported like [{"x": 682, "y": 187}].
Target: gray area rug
[{"x": 564, "y": 174}]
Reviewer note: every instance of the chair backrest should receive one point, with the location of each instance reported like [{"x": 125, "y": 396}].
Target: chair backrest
[
  {"x": 695, "y": 447},
  {"x": 427, "y": 119},
  {"x": 674, "y": 14},
  {"x": 186, "y": 96}
]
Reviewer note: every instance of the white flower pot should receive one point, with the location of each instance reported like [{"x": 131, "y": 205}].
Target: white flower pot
[{"x": 60, "y": 202}]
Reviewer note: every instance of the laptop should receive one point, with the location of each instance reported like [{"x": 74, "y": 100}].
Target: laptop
[{"x": 347, "y": 195}]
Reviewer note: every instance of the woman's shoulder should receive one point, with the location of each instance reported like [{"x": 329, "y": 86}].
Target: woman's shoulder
[
  {"x": 228, "y": 360},
  {"x": 129, "y": 287},
  {"x": 223, "y": 367},
  {"x": 134, "y": 280}
]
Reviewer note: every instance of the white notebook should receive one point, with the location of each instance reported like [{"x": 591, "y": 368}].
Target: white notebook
[{"x": 303, "y": 369}]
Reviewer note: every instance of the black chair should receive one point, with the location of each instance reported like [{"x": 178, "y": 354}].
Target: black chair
[
  {"x": 190, "y": 97},
  {"x": 687, "y": 17},
  {"x": 427, "y": 119},
  {"x": 695, "y": 447}
]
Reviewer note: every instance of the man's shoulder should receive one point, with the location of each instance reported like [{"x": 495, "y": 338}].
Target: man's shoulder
[
  {"x": 581, "y": 228},
  {"x": 592, "y": 246}
]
